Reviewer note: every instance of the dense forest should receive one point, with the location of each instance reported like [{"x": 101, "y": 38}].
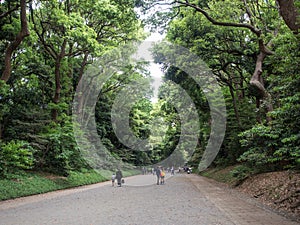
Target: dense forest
[{"x": 251, "y": 47}]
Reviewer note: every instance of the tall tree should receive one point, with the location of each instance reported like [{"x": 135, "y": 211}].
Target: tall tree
[
  {"x": 260, "y": 18},
  {"x": 14, "y": 44},
  {"x": 236, "y": 39},
  {"x": 69, "y": 32}
]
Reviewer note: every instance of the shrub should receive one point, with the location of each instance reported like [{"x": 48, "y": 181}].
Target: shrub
[
  {"x": 63, "y": 154},
  {"x": 14, "y": 156},
  {"x": 241, "y": 172}
]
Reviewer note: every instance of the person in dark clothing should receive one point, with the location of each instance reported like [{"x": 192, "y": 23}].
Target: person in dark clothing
[
  {"x": 158, "y": 171},
  {"x": 119, "y": 177}
]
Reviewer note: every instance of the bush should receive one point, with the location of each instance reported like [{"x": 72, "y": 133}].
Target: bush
[
  {"x": 63, "y": 154},
  {"x": 269, "y": 148},
  {"x": 241, "y": 172},
  {"x": 84, "y": 178},
  {"x": 15, "y": 156},
  {"x": 30, "y": 183}
]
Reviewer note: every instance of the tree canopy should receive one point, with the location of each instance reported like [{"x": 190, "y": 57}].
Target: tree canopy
[{"x": 251, "y": 48}]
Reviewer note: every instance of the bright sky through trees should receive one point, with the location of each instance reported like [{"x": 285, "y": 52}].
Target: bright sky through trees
[{"x": 154, "y": 69}]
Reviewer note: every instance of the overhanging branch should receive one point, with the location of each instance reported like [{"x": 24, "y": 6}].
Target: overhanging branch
[{"x": 253, "y": 29}]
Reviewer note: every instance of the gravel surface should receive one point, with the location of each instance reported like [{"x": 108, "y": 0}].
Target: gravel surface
[{"x": 183, "y": 200}]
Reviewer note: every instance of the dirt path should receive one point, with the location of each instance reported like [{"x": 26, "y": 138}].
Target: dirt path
[{"x": 184, "y": 200}]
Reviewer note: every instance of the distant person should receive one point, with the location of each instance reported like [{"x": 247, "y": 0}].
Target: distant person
[
  {"x": 144, "y": 170},
  {"x": 119, "y": 177},
  {"x": 158, "y": 171},
  {"x": 172, "y": 170},
  {"x": 162, "y": 176},
  {"x": 113, "y": 178}
]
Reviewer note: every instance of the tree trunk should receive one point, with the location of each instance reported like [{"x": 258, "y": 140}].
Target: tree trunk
[
  {"x": 0, "y": 130},
  {"x": 56, "y": 97},
  {"x": 290, "y": 14},
  {"x": 257, "y": 85},
  {"x": 241, "y": 94},
  {"x": 256, "y": 81},
  {"x": 24, "y": 32},
  {"x": 236, "y": 112},
  {"x": 81, "y": 71}
]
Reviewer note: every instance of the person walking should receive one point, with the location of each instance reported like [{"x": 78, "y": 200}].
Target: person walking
[
  {"x": 113, "y": 177},
  {"x": 119, "y": 177},
  {"x": 158, "y": 171},
  {"x": 162, "y": 176},
  {"x": 172, "y": 170}
]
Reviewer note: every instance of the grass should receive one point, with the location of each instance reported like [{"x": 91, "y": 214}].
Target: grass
[{"x": 31, "y": 183}]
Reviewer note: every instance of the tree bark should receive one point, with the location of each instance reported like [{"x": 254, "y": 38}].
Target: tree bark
[
  {"x": 81, "y": 71},
  {"x": 236, "y": 112},
  {"x": 229, "y": 82},
  {"x": 56, "y": 97},
  {"x": 257, "y": 83},
  {"x": 253, "y": 29},
  {"x": 290, "y": 14},
  {"x": 24, "y": 32}
]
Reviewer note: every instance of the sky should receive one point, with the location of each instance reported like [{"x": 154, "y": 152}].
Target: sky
[{"x": 154, "y": 68}]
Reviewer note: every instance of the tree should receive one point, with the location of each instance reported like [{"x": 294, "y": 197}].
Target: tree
[
  {"x": 258, "y": 17},
  {"x": 70, "y": 33},
  {"x": 14, "y": 39},
  {"x": 14, "y": 44},
  {"x": 277, "y": 146},
  {"x": 237, "y": 40},
  {"x": 137, "y": 114},
  {"x": 65, "y": 37}
]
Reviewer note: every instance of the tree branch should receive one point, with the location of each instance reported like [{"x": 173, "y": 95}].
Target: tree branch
[
  {"x": 256, "y": 31},
  {"x": 4, "y": 14}
]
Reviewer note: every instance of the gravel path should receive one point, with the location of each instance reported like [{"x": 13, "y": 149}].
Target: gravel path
[{"x": 183, "y": 200}]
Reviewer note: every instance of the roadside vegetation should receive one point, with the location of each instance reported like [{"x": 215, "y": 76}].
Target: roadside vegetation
[{"x": 30, "y": 183}]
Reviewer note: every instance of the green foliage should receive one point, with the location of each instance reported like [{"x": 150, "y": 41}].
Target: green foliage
[
  {"x": 64, "y": 38},
  {"x": 230, "y": 52},
  {"x": 260, "y": 142},
  {"x": 24, "y": 184},
  {"x": 221, "y": 175},
  {"x": 67, "y": 37},
  {"x": 139, "y": 113},
  {"x": 231, "y": 175},
  {"x": 84, "y": 178},
  {"x": 268, "y": 150},
  {"x": 15, "y": 155},
  {"x": 4, "y": 108},
  {"x": 62, "y": 154},
  {"x": 241, "y": 172},
  {"x": 277, "y": 145},
  {"x": 140, "y": 118}
]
